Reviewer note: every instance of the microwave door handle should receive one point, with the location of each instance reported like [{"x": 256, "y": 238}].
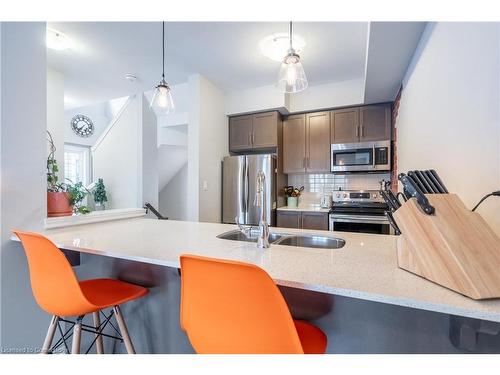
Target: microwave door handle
[{"x": 373, "y": 156}]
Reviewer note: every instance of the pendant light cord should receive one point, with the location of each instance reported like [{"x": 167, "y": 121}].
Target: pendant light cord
[
  {"x": 163, "y": 50},
  {"x": 291, "y": 30}
]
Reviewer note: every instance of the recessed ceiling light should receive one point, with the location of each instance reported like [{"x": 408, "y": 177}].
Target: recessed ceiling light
[
  {"x": 130, "y": 77},
  {"x": 57, "y": 40},
  {"x": 276, "y": 46}
]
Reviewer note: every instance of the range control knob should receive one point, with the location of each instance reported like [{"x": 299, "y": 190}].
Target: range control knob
[
  {"x": 345, "y": 195},
  {"x": 374, "y": 195}
]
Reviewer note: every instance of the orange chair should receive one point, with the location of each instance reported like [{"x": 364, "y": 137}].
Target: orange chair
[
  {"x": 231, "y": 307},
  {"x": 58, "y": 292}
]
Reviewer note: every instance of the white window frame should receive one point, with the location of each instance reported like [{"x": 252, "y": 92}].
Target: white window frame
[{"x": 87, "y": 157}]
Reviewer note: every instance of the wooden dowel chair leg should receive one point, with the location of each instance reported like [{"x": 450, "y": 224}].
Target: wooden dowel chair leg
[
  {"x": 50, "y": 334},
  {"x": 123, "y": 330},
  {"x": 97, "y": 322},
  {"x": 77, "y": 333}
]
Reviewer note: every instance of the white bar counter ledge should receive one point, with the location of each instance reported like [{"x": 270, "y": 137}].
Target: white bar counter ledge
[{"x": 365, "y": 268}]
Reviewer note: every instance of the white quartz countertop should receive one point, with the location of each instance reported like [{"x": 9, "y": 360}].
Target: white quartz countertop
[
  {"x": 365, "y": 268},
  {"x": 305, "y": 208}
]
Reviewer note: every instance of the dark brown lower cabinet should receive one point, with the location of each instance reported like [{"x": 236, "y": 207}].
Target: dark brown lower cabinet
[
  {"x": 315, "y": 220},
  {"x": 289, "y": 219},
  {"x": 303, "y": 220}
]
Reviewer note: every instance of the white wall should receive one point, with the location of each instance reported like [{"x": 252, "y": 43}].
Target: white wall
[
  {"x": 99, "y": 113},
  {"x": 193, "y": 149},
  {"x": 207, "y": 145},
  {"x": 149, "y": 155},
  {"x": 55, "y": 115},
  {"x": 449, "y": 112},
  {"x": 126, "y": 158},
  {"x": 119, "y": 152},
  {"x": 173, "y": 198},
  {"x": 213, "y": 147},
  {"x": 328, "y": 95},
  {"x": 23, "y": 178},
  {"x": 255, "y": 99}
]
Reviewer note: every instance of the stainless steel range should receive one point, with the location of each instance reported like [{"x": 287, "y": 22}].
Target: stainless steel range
[{"x": 359, "y": 211}]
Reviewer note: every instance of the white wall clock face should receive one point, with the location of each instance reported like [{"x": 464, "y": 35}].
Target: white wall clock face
[{"x": 82, "y": 126}]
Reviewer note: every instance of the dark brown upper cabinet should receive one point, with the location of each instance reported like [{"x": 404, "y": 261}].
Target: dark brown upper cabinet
[
  {"x": 240, "y": 133},
  {"x": 294, "y": 144},
  {"x": 254, "y": 132},
  {"x": 375, "y": 123},
  {"x": 306, "y": 143},
  {"x": 318, "y": 142},
  {"x": 344, "y": 125},
  {"x": 361, "y": 124}
]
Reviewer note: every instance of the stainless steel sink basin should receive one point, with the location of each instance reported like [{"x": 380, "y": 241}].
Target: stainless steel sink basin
[
  {"x": 318, "y": 242},
  {"x": 236, "y": 235}
]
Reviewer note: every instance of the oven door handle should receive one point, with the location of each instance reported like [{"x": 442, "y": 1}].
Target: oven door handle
[{"x": 358, "y": 219}]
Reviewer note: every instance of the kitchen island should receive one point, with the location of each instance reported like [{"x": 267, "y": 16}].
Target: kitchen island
[{"x": 329, "y": 286}]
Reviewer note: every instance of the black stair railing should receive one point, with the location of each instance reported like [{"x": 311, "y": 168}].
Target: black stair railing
[{"x": 154, "y": 211}]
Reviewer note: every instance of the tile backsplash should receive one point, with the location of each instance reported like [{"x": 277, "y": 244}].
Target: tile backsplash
[{"x": 315, "y": 185}]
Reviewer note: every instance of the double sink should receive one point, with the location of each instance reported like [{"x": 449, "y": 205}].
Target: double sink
[{"x": 318, "y": 242}]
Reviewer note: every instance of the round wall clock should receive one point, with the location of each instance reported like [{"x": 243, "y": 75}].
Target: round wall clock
[{"x": 82, "y": 126}]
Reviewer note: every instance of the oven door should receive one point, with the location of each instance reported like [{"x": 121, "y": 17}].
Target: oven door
[{"x": 376, "y": 224}]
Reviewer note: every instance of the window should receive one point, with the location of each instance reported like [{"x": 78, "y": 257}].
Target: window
[{"x": 77, "y": 163}]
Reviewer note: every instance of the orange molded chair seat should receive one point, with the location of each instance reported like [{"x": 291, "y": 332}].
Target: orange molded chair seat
[
  {"x": 230, "y": 307},
  {"x": 104, "y": 293},
  {"x": 313, "y": 339}
]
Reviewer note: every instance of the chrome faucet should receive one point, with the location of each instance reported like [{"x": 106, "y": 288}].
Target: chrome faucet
[{"x": 260, "y": 201}]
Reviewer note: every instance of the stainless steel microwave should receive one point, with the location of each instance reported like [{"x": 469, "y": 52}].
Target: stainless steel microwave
[{"x": 361, "y": 156}]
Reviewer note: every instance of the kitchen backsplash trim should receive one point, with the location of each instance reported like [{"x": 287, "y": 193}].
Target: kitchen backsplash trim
[{"x": 315, "y": 185}]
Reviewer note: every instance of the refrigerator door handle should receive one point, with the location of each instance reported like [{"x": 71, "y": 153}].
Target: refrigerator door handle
[{"x": 245, "y": 189}]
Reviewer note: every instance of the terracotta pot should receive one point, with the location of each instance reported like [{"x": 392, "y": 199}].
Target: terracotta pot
[{"x": 58, "y": 204}]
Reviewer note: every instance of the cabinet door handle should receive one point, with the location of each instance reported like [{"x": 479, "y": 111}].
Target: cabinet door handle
[
  {"x": 357, "y": 131},
  {"x": 250, "y": 139},
  {"x": 362, "y": 130},
  {"x": 308, "y": 162},
  {"x": 253, "y": 138},
  {"x": 303, "y": 162}
]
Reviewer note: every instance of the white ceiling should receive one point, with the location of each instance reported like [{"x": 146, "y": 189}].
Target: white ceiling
[{"x": 225, "y": 52}]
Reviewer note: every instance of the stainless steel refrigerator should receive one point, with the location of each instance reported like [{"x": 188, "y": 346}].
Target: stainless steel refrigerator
[{"x": 239, "y": 174}]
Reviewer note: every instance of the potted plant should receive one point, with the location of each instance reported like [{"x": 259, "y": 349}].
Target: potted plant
[
  {"x": 100, "y": 197},
  {"x": 62, "y": 198},
  {"x": 58, "y": 203},
  {"x": 76, "y": 193},
  {"x": 292, "y": 195}
]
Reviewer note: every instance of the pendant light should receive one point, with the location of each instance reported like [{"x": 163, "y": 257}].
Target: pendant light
[
  {"x": 162, "y": 103},
  {"x": 292, "y": 77}
]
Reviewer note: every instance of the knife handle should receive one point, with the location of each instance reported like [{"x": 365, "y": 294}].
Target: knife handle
[{"x": 413, "y": 190}]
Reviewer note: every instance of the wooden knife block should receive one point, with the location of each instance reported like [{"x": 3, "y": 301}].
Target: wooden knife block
[{"x": 455, "y": 247}]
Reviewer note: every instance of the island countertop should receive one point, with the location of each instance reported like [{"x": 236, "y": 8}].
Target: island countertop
[{"x": 365, "y": 268}]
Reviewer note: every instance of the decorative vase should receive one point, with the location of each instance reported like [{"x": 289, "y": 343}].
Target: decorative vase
[
  {"x": 58, "y": 204},
  {"x": 292, "y": 201}
]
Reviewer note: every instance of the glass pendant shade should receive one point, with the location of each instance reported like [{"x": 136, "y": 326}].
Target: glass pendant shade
[
  {"x": 291, "y": 77},
  {"x": 162, "y": 103}
]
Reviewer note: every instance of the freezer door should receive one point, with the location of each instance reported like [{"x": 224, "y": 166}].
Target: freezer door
[
  {"x": 234, "y": 189},
  {"x": 256, "y": 163}
]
